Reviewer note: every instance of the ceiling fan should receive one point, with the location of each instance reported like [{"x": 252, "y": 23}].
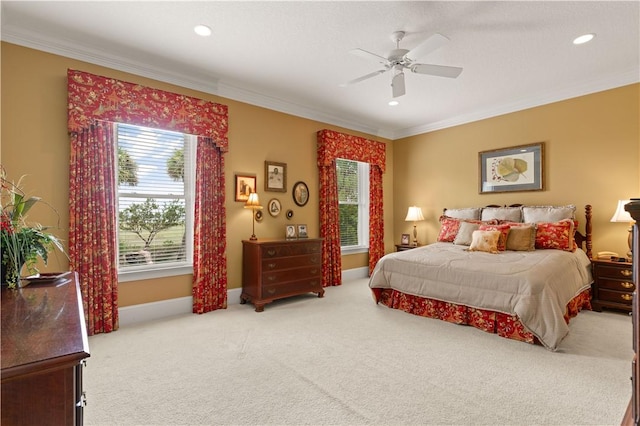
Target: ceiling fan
[{"x": 401, "y": 59}]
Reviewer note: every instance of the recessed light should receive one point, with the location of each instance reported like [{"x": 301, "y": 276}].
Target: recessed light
[
  {"x": 393, "y": 103},
  {"x": 202, "y": 30},
  {"x": 584, "y": 38}
]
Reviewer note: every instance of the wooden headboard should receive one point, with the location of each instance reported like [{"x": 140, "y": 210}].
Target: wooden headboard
[{"x": 584, "y": 241}]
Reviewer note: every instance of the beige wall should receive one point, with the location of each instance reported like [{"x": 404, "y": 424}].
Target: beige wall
[
  {"x": 34, "y": 142},
  {"x": 592, "y": 157}
]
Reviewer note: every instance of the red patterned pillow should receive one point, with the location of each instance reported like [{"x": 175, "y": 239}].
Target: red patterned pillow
[
  {"x": 555, "y": 235},
  {"x": 504, "y": 233},
  {"x": 448, "y": 229}
]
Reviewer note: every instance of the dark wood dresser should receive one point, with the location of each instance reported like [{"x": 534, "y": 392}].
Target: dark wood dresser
[
  {"x": 274, "y": 269},
  {"x": 44, "y": 344},
  {"x": 632, "y": 416}
]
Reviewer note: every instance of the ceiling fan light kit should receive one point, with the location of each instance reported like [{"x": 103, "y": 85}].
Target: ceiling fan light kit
[{"x": 400, "y": 59}]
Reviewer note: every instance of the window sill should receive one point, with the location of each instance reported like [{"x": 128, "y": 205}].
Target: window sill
[
  {"x": 147, "y": 274},
  {"x": 354, "y": 250}
]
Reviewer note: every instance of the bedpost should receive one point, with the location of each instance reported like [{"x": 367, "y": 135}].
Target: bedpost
[{"x": 587, "y": 229}]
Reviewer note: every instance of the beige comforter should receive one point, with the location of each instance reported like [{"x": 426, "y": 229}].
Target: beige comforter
[{"x": 535, "y": 285}]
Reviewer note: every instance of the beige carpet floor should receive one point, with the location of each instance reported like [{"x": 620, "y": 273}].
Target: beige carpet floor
[{"x": 343, "y": 360}]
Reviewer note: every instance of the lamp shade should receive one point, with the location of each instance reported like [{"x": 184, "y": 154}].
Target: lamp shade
[
  {"x": 621, "y": 215},
  {"x": 253, "y": 202},
  {"x": 414, "y": 214}
]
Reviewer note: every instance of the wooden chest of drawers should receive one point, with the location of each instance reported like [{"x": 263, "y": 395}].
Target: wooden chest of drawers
[
  {"x": 613, "y": 285},
  {"x": 274, "y": 269}
]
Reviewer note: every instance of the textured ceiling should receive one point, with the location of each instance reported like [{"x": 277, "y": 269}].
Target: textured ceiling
[{"x": 292, "y": 56}]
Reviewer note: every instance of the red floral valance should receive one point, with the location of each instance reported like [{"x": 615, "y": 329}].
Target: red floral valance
[
  {"x": 332, "y": 145},
  {"x": 93, "y": 97}
]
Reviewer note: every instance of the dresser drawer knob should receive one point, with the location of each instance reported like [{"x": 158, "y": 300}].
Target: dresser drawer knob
[
  {"x": 626, "y": 297},
  {"x": 271, "y": 290},
  {"x": 626, "y": 284},
  {"x": 626, "y": 273},
  {"x": 313, "y": 271},
  {"x": 271, "y": 252},
  {"x": 271, "y": 278},
  {"x": 271, "y": 265}
]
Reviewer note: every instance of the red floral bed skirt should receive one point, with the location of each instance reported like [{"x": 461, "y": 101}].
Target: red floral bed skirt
[{"x": 503, "y": 325}]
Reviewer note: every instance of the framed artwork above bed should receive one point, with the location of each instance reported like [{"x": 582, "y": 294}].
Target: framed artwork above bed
[{"x": 517, "y": 168}]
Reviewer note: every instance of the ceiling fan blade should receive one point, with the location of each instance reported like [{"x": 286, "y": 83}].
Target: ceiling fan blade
[
  {"x": 369, "y": 56},
  {"x": 434, "y": 42},
  {"x": 397, "y": 85},
  {"x": 364, "y": 77},
  {"x": 437, "y": 70}
]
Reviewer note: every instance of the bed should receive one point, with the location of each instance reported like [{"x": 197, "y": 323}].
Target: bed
[{"x": 518, "y": 271}]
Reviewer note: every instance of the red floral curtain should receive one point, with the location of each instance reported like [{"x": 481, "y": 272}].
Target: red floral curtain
[
  {"x": 93, "y": 99},
  {"x": 333, "y": 145}
]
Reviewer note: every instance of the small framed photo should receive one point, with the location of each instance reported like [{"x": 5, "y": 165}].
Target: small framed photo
[
  {"x": 274, "y": 207},
  {"x": 300, "y": 193},
  {"x": 245, "y": 185},
  {"x": 275, "y": 176},
  {"x": 302, "y": 231},
  {"x": 290, "y": 231},
  {"x": 405, "y": 239}
]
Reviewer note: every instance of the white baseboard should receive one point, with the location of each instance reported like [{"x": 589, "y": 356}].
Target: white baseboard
[{"x": 167, "y": 308}]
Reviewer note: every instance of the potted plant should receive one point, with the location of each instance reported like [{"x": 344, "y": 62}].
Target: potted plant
[{"x": 23, "y": 243}]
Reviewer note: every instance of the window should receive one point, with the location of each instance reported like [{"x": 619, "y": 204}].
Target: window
[
  {"x": 155, "y": 201},
  {"x": 353, "y": 202}
]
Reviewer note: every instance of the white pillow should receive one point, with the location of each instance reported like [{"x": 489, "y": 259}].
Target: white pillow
[
  {"x": 465, "y": 233},
  {"x": 512, "y": 214},
  {"x": 533, "y": 214},
  {"x": 467, "y": 213}
]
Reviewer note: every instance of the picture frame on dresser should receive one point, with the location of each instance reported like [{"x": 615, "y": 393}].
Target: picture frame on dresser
[
  {"x": 290, "y": 232},
  {"x": 516, "y": 168},
  {"x": 302, "y": 231},
  {"x": 405, "y": 239}
]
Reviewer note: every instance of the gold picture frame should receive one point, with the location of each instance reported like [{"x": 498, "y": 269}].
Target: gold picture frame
[{"x": 275, "y": 176}]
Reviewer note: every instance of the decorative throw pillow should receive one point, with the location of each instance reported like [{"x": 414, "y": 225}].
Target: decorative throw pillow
[
  {"x": 470, "y": 213},
  {"x": 465, "y": 233},
  {"x": 513, "y": 214},
  {"x": 504, "y": 233},
  {"x": 522, "y": 237},
  {"x": 533, "y": 214},
  {"x": 556, "y": 235},
  {"x": 486, "y": 241},
  {"x": 449, "y": 228}
]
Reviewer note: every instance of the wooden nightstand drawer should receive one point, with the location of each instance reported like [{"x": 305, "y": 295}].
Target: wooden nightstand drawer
[
  {"x": 616, "y": 296},
  {"x": 625, "y": 286},
  {"x": 614, "y": 270}
]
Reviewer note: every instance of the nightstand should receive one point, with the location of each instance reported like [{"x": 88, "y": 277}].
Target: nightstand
[
  {"x": 403, "y": 247},
  {"x": 612, "y": 285}
]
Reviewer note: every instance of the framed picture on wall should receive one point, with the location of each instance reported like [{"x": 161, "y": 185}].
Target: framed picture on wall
[
  {"x": 275, "y": 176},
  {"x": 245, "y": 185},
  {"x": 517, "y": 168},
  {"x": 300, "y": 193}
]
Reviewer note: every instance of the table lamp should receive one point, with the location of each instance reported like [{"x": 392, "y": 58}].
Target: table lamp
[
  {"x": 621, "y": 215},
  {"x": 253, "y": 203},
  {"x": 414, "y": 214}
]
